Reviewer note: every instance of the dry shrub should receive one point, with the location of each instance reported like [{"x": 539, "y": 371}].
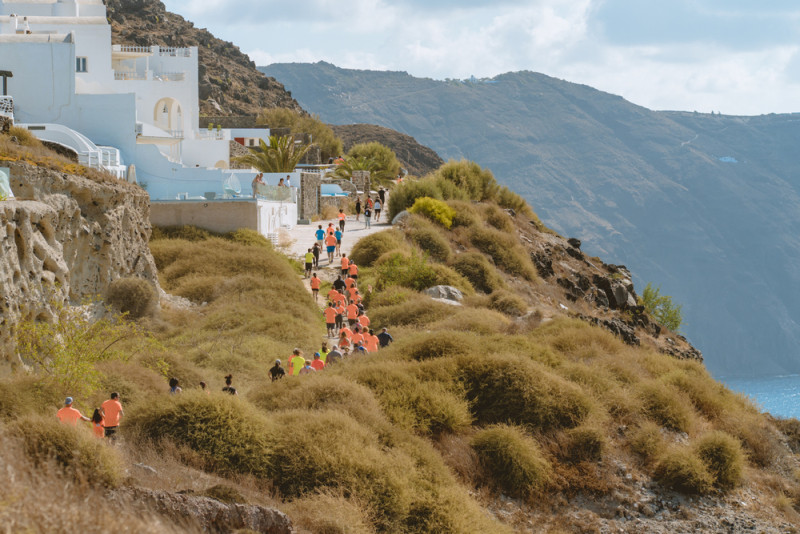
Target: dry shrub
[
  {"x": 437, "y": 344},
  {"x": 512, "y": 459},
  {"x": 682, "y": 470},
  {"x": 508, "y": 303},
  {"x": 579, "y": 339},
  {"x": 756, "y": 435},
  {"x": 132, "y": 380},
  {"x": 249, "y": 237},
  {"x": 521, "y": 391},
  {"x": 24, "y": 394},
  {"x": 330, "y": 512},
  {"x": 477, "y": 321},
  {"x": 369, "y": 248},
  {"x": 75, "y": 449},
  {"x": 430, "y": 241},
  {"x": 708, "y": 396},
  {"x": 186, "y": 233},
  {"x": 417, "y": 311},
  {"x": 445, "y": 276},
  {"x": 585, "y": 444},
  {"x": 328, "y": 212},
  {"x": 505, "y": 250},
  {"x": 466, "y": 213},
  {"x": 665, "y": 406},
  {"x": 647, "y": 441},
  {"x": 391, "y": 296},
  {"x": 134, "y": 296},
  {"x": 229, "y": 435},
  {"x": 24, "y": 137},
  {"x": 497, "y": 218},
  {"x": 790, "y": 428},
  {"x": 722, "y": 454},
  {"x": 479, "y": 271}
]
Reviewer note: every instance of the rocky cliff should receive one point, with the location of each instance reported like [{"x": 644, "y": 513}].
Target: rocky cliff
[{"x": 66, "y": 238}]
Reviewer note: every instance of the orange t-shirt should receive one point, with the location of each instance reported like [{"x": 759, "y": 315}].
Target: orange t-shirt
[
  {"x": 352, "y": 311},
  {"x": 348, "y": 282},
  {"x": 319, "y": 365},
  {"x": 372, "y": 343},
  {"x": 315, "y": 282},
  {"x": 330, "y": 240},
  {"x": 333, "y": 295},
  {"x": 364, "y": 320},
  {"x": 356, "y": 337},
  {"x": 69, "y": 415},
  {"x": 98, "y": 429},
  {"x": 330, "y": 315},
  {"x": 346, "y": 331},
  {"x": 353, "y": 269},
  {"x": 345, "y": 262},
  {"x": 111, "y": 410},
  {"x": 344, "y": 342},
  {"x": 340, "y": 308},
  {"x": 342, "y": 216}
]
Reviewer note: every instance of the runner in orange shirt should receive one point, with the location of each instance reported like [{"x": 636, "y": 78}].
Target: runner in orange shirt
[
  {"x": 330, "y": 318},
  {"x": 315, "y": 283},
  {"x": 352, "y": 293},
  {"x": 318, "y": 364},
  {"x": 345, "y": 264},
  {"x": 342, "y": 218},
  {"x": 340, "y": 312},
  {"x": 343, "y": 341},
  {"x": 69, "y": 415},
  {"x": 352, "y": 313},
  {"x": 333, "y": 295},
  {"x": 330, "y": 244},
  {"x": 371, "y": 341},
  {"x": 353, "y": 271},
  {"x": 349, "y": 282},
  {"x": 363, "y": 320},
  {"x": 357, "y": 336},
  {"x": 112, "y": 413},
  {"x": 97, "y": 424}
]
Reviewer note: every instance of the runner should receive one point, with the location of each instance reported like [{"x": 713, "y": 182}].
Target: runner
[
  {"x": 330, "y": 243},
  {"x": 330, "y": 318},
  {"x": 320, "y": 235},
  {"x": 359, "y": 349},
  {"x": 352, "y": 294},
  {"x": 315, "y": 283},
  {"x": 352, "y": 313},
  {"x": 385, "y": 338},
  {"x": 377, "y": 209},
  {"x": 345, "y": 265},
  {"x": 112, "y": 413},
  {"x": 97, "y": 424},
  {"x": 342, "y": 218},
  {"x": 363, "y": 320},
  {"x": 307, "y": 369},
  {"x": 338, "y": 234},
  {"x": 339, "y": 284},
  {"x": 369, "y": 202},
  {"x": 316, "y": 249},
  {"x": 382, "y": 195},
  {"x": 174, "y": 386},
  {"x": 340, "y": 312},
  {"x": 330, "y": 229},
  {"x": 344, "y": 342},
  {"x": 323, "y": 352},
  {"x": 296, "y": 362},
  {"x": 318, "y": 364},
  {"x": 353, "y": 270},
  {"x": 349, "y": 282},
  {"x": 357, "y": 336},
  {"x": 276, "y": 372},
  {"x": 69, "y": 415},
  {"x": 368, "y": 217},
  {"x": 204, "y": 387},
  {"x": 358, "y": 208},
  {"x": 228, "y": 387},
  {"x": 334, "y": 357},
  {"x": 372, "y": 341},
  {"x": 309, "y": 263}
]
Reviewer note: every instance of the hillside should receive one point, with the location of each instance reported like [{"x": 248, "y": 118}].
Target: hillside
[
  {"x": 229, "y": 82},
  {"x": 705, "y": 206},
  {"x": 417, "y": 159}
]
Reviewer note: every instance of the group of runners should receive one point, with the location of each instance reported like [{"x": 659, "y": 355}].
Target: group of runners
[
  {"x": 371, "y": 207},
  {"x": 105, "y": 419}
]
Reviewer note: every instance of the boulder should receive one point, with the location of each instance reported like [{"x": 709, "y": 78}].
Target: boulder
[
  {"x": 544, "y": 263},
  {"x": 401, "y": 218},
  {"x": 574, "y": 242},
  {"x": 449, "y": 293}
]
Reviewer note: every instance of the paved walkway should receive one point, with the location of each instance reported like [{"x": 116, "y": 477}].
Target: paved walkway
[{"x": 303, "y": 237}]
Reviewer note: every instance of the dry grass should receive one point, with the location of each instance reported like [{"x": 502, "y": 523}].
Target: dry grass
[{"x": 513, "y": 460}]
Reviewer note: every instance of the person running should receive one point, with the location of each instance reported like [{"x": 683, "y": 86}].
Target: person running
[
  {"x": 372, "y": 341},
  {"x": 368, "y": 218},
  {"x": 309, "y": 263},
  {"x": 340, "y": 313},
  {"x": 315, "y": 250},
  {"x": 342, "y": 217},
  {"x": 229, "y": 389},
  {"x": 358, "y": 208},
  {"x": 369, "y": 202},
  {"x": 345, "y": 265},
  {"x": 174, "y": 386},
  {"x": 352, "y": 270},
  {"x": 320, "y": 235},
  {"x": 357, "y": 336},
  {"x": 307, "y": 369},
  {"x": 349, "y": 283},
  {"x": 382, "y": 195},
  {"x": 330, "y": 229},
  {"x": 204, "y": 387},
  {"x": 359, "y": 349},
  {"x": 97, "y": 424},
  {"x": 363, "y": 320},
  {"x": 344, "y": 342},
  {"x": 276, "y": 372},
  {"x": 318, "y": 364},
  {"x": 338, "y": 234},
  {"x": 69, "y": 415},
  {"x": 112, "y": 413},
  {"x": 296, "y": 362},
  {"x": 330, "y": 243},
  {"x": 352, "y": 313},
  {"x": 323, "y": 352},
  {"x": 385, "y": 338},
  {"x": 330, "y": 318},
  {"x": 377, "y": 209},
  {"x": 315, "y": 283},
  {"x": 334, "y": 357},
  {"x": 339, "y": 284}
]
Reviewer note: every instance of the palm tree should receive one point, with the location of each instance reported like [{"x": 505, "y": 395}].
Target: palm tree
[
  {"x": 281, "y": 155},
  {"x": 351, "y": 164}
]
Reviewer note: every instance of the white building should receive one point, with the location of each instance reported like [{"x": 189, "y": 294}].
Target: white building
[{"x": 116, "y": 106}]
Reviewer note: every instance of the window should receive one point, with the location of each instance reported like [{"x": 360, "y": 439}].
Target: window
[{"x": 80, "y": 64}]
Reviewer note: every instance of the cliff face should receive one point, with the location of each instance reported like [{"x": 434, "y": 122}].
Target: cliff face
[{"x": 66, "y": 238}]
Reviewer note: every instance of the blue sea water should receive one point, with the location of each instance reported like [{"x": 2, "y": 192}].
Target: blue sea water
[{"x": 778, "y": 395}]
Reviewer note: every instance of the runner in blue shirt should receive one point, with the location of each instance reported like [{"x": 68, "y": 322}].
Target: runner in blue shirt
[
  {"x": 338, "y": 235},
  {"x": 320, "y": 235}
]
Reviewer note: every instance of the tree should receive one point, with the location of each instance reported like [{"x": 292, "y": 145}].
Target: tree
[
  {"x": 281, "y": 155},
  {"x": 321, "y": 134},
  {"x": 667, "y": 313},
  {"x": 345, "y": 170},
  {"x": 385, "y": 164}
]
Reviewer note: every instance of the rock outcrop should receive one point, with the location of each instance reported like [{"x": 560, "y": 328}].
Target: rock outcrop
[{"x": 65, "y": 238}]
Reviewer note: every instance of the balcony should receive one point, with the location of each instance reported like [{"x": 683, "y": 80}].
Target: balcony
[
  {"x": 122, "y": 75},
  {"x": 7, "y": 107},
  {"x": 169, "y": 76},
  {"x": 175, "y": 52}
]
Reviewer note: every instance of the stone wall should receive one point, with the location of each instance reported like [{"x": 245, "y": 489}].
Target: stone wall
[
  {"x": 309, "y": 201},
  {"x": 246, "y": 121},
  {"x": 361, "y": 180}
]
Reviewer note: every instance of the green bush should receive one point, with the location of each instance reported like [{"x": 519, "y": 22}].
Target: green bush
[
  {"x": 666, "y": 313},
  {"x": 722, "y": 454},
  {"x": 585, "y": 444},
  {"x": 445, "y": 276},
  {"x": 134, "y": 296},
  {"x": 479, "y": 271},
  {"x": 498, "y": 218},
  {"x": 508, "y": 303},
  {"x": 75, "y": 449},
  {"x": 504, "y": 249},
  {"x": 512, "y": 459},
  {"x": 680, "y": 469},
  {"x": 385, "y": 160},
  {"x": 391, "y": 296},
  {"x": 405, "y": 194},
  {"x": 368, "y": 249},
  {"x": 227, "y": 433},
  {"x": 246, "y": 236},
  {"x": 435, "y": 210},
  {"x": 468, "y": 176},
  {"x": 665, "y": 406},
  {"x": 466, "y": 213},
  {"x": 430, "y": 241},
  {"x": 516, "y": 389},
  {"x": 412, "y": 271}
]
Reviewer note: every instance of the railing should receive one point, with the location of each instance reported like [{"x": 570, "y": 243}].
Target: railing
[
  {"x": 7, "y": 106},
  {"x": 176, "y": 133},
  {"x": 169, "y": 76},
  {"x": 175, "y": 52},
  {"x": 135, "y": 49},
  {"x": 211, "y": 134},
  {"x": 126, "y": 75},
  {"x": 277, "y": 193}
]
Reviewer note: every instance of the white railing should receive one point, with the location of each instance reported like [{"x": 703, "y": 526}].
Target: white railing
[
  {"x": 7, "y": 106},
  {"x": 135, "y": 49},
  {"x": 175, "y": 52},
  {"x": 211, "y": 134},
  {"x": 176, "y": 133},
  {"x": 125, "y": 75},
  {"x": 169, "y": 76}
]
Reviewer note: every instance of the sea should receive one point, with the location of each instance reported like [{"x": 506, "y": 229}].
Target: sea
[{"x": 778, "y": 395}]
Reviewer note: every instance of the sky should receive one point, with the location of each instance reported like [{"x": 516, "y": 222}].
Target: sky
[{"x": 737, "y": 57}]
